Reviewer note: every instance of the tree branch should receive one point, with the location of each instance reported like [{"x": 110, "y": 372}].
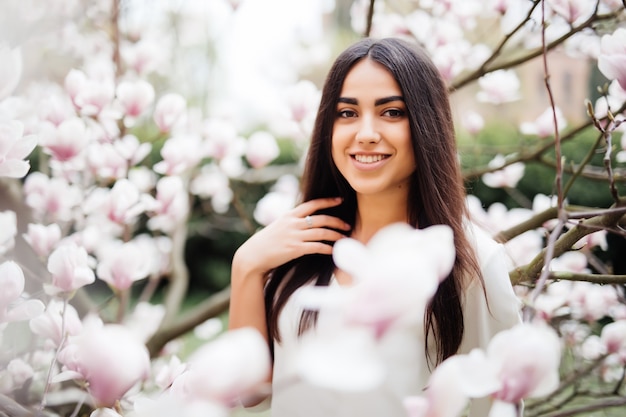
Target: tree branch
[{"x": 213, "y": 306}]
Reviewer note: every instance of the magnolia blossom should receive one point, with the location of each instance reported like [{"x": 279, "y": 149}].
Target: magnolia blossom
[
  {"x": 169, "y": 110},
  {"x": 180, "y": 154},
  {"x": 145, "y": 319},
  {"x": 281, "y": 198},
  {"x": 543, "y": 126},
  {"x": 262, "y": 149},
  {"x": 110, "y": 358},
  {"x": 123, "y": 264},
  {"x": 43, "y": 238},
  {"x": 167, "y": 373},
  {"x": 391, "y": 254},
  {"x": 613, "y": 337},
  {"x": 612, "y": 59},
  {"x": 14, "y": 147},
  {"x": 452, "y": 384},
  {"x": 572, "y": 261},
  {"x": 134, "y": 97},
  {"x": 473, "y": 122},
  {"x": 171, "y": 205},
  {"x": 8, "y": 230},
  {"x": 121, "y": 204},
  {"x": 12, "y": 284},
  {"x": 508, "y": 176},
  {"x": 52, "y": 198},
  {"x": 223, "y": 140},
  {"x": 59, "y": 320},
  {"x": 66, "y": 141},
  {"x": 573, "y": 11},
  {"x": 591, "y": 302},
  {"x": 144, "y": 56},
  {"x": 89, "y": 95},
  {"x": 527, "y": 357},
  {"x": 69, "y": 266},
  {"x": 214, "y": 184},
  {"x": 499, "y": 87},
  {"x": 10, "y": 71},
  {"x": 226, "y": 370}
]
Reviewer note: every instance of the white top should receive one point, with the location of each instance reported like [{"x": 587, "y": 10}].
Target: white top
[{"x": 403, "y": 350}]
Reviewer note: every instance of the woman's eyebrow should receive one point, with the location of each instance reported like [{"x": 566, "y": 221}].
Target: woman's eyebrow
[
  {"x": 378, "y": 102},
  {"x": 389, "y": 99}
]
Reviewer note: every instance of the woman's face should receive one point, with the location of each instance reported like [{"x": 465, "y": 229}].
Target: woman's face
[{"x": 371, "y": 141}]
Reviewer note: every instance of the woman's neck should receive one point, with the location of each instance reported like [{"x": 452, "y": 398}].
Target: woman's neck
[{"x": 376, "y": 212}]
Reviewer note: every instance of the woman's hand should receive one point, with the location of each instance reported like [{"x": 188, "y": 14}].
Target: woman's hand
[{"x": 298, "y": 232}]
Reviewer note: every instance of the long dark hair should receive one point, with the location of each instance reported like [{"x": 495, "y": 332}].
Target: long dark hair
[{"x": 436, "y": 193}]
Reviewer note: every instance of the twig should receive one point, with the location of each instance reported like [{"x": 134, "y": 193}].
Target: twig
[{"x": 370, "y": 18}]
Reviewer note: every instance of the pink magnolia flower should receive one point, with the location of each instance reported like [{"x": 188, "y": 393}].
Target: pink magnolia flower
[
  {"x": 591, "y": 302},
  {"x": 120, "y": 266},
  {"x": 131, "y": 149},
  {"x": 499, "y": 87},
  {"x": 89, "y": 95},
  {"x": 543, "y": 126},
  {"x": 303, "y": 99},
  {"x": 180, "y": 154},
  {"x": 12, "y": 284},
  {"x": 385, "y": 292},
  {"x": 226, "y": 370},
  {"x": 134, "y": 97},
  {"x": 473, "y": 122},
  {"x": 43, "y": 238},
  {"x": 223, "y": 140},
  {"x": 572, "y": 261},
  {"x": 171, "y": 206},
  {"x": 527, "y": 357},
  {"x": 214, "y": 184},
  {"x": 59, "y": 320},
  {"x": 110, "y": 358},
  {"x": 612, "y": 59},
  {"x": 144, "y": 56},
  {"x": 66, "y": 141},
  {"x": 145, "y": 319},
  {"x": 452, "y": 384},
  {"x": 8, "y": 230},
  {"x": 121, "y": 204},
  {"x": 573, "y": 11},
  {"x": 169, "y": 110},
  {"x": 613, "y": 337},
  {"x": 106, "y": 162},
  {"x": 262, "y": 149},
  {"x": 69, "y": 266},
  {"x": 281, "y": 198},
  {"x": 14, "y": 147},
  {"x": 166, "y": 373},
  {"x": 51, "y": 198},
  {"x": 10, "y": 71},
  {"x": 508, "y": 176}
]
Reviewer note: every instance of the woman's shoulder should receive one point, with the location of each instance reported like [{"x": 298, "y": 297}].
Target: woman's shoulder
[{"x": 485, "y": 246}]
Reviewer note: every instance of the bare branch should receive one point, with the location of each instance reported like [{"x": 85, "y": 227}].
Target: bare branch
[{"x": 213, "y": 306}]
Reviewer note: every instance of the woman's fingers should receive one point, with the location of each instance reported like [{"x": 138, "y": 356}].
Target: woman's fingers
[{"x": 316, "y": 221}]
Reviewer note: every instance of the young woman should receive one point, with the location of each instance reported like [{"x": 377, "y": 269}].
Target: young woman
[{"x": 382, "y": 151}]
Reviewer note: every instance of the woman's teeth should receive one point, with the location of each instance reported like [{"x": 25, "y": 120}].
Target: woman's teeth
[{"x": 368, "y": 159}]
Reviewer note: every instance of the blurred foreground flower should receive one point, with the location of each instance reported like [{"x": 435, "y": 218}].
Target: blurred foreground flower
[
  {"x": 14, "y": 147},
  {"x": 612, "y": 59},
  {"x": 109, "y": 358}
]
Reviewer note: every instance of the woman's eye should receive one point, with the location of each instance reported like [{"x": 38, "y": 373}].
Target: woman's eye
[
  {"x": 394, "y": 113},
  {"x": 346, "y": 113}
]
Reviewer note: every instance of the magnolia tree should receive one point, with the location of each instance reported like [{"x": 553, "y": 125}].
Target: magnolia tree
[{"x": 121, "y": 122}]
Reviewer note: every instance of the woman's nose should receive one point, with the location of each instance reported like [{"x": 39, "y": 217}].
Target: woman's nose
[{"x": 367, "y": 133}]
